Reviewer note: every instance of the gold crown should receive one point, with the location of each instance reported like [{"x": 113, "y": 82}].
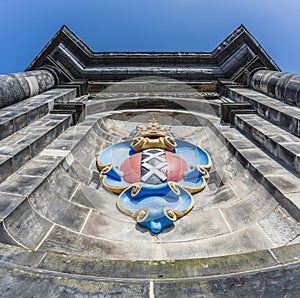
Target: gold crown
[
  {"x": 153, "y": 136},
  {"x": 153, "y": 129}
]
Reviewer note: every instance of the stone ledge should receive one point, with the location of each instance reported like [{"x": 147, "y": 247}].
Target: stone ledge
[
  {"x": 28, "y": 142},
  {"x": 272, "y": 178},
  {"x": 273, "y": 139},
  {"x": 157, "y": 270},
  {"x": 19, "y": 115},
  {"x": 279, "y": 113}
]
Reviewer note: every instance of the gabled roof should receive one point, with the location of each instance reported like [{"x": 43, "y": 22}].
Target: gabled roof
[{"x": 237, "y": 54}]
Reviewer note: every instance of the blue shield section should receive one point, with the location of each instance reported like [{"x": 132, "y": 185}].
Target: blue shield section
[{"x": 156, "y": 206}]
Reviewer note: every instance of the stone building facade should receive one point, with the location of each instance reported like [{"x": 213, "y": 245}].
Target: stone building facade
[{"x": 61, "y": 233}]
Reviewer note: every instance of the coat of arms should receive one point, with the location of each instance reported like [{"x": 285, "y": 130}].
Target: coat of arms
[{"x": 154, "y": 175}]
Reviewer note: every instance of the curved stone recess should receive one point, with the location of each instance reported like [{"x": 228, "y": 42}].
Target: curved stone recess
[
  {"x": 234, "y": 214},
  {"x": 237, "y": 236}
]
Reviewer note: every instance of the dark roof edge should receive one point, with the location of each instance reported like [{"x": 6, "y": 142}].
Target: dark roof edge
[
  {"x": 65, "y": 32},
  {"x": 254, "y": 40}
]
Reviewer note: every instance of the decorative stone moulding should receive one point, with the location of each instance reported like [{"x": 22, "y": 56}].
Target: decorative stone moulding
[
  {"x": 155, "y": 175},
  {"x": 19, "y": 86},
  {"x": 281, "y": 85}
]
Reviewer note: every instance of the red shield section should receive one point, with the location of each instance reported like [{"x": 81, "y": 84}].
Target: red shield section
[{"x": 131, "y": 167}]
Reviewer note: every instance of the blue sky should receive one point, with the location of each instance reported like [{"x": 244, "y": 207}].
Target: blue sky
[{"x": 144, "y": 25}]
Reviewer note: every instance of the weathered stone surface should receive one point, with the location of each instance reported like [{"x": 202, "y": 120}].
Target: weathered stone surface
[
  {"x": 250, "y": 239},
  {"x": 281, "y": 85},
  {"x": 275, "y": 283},
  {"x": 58, "y": 210},
  {"x": 287, "y": 184},
  {"x": 104, "y": 226},
  {"x": 281, "y": 228},
  {"x": 21, "y": 114},
  {"x": 27, "y": 226},
  {"x": 100, "y": 200},
  {"x": 85, "y": 196},
  {"x": 272, "y": 138},
  {"x": 20, "y": 184},
  {"x": 8, "y": 203},
  {"x": 38, "y": 167},
  {"x": 19, "y": 283},
  {"x": 196, "y": 225},
  {"x": 158, "y": 270},
  {"x": 20, "y": 256},
  {"x": 6, "y": 126},
  {"x": 218, "y": 197},
  {"x": 271, "y": 109},
  {"x": 250, "y": 209},
  {"x": 202, "y": 227},
  {"x": 6, "y": 167},
  {"x": 19, "y": 86},
  {"x": 288, "y": 254},
  {"x": 79, "y": 172},
  {"x": 29, "y": 141},
  {"x": 62, "y": 184},
  {"x": 65, "y": 241}
]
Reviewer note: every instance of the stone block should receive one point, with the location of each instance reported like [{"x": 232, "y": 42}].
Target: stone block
[
  {"x": 65, "y": 241},
  {"x": 39, "y": 144},
  {"x": 248, "y": 156},
  {"x": 271, "y": 283},
  {"x": 19, "y": 256},
  {"x": 8, "y": 203},
  {"x": 20, "y": 184},
  {"x": 272, "y": 109},
  {"x": 61, "y": 144},
  {"x": 81, "y": 198},
  {"x": 101, "y": 201},
  {"x": 61, "y": 183},
  {"x": 33, "y": 115},
  {"x": 5, "y": 237},
  {"x": 6, "y": 127},
  {"x": 196, "y": 225},
  {"x": 56, "y": 209},
  {"x": 287, "y": 183},
  {"x": 39, "y": 167},
  {"x": 274, "y": 139},
  {"x": 20, "y": 121},
  {"x": 33, "y": 228},
  {"x": 260, "y": 169},
  {"x": 19, "y": 283},
  {"x": 6, "y": 167},
  {"x": 104, "y": 226},
  {"x": 218, "y": 197},
  {"x": 288, "y": 152},
  {"x": 288, "y": 253},
  {"x": 250, "y": 209},
  {"x": 285, "y": 191},
  {"x": 228, "y": 108},
  {"x": 294, "y": 200},
  {"x": 78, "y": 172},
  {"x": 43, "y": 110},
  {"x": 280, "y": 227},
  {"x": 21, "y": 157},
  {"x": 244, "y": 240}
]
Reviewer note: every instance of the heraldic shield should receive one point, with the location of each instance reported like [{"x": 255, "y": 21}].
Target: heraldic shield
[{"x": 154, "y": 175}]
